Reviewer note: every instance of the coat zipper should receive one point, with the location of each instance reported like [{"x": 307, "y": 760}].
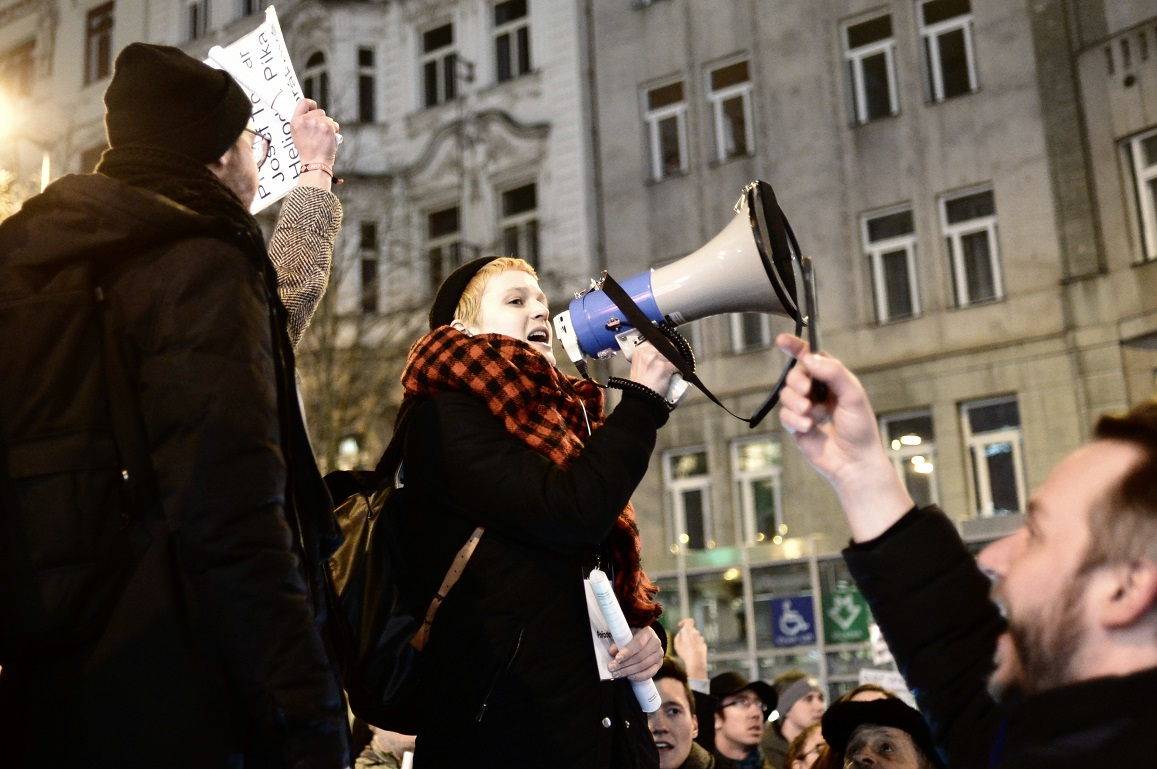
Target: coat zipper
[{"x": 498, "y": 676}]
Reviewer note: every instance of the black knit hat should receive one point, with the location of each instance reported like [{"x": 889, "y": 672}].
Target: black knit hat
[
  {"x": 162, "y": 97},
  {"x": 450, "y": 292},
  {"x": 732, "y": 683},
  {"x": 843, "y": 718}
]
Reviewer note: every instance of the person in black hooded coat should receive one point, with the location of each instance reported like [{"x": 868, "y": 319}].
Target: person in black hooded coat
[{"x": 212, "y": 654}]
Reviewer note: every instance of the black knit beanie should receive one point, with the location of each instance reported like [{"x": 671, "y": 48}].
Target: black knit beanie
[
  {"x": 450, "y": 292},
  {"x": 162, "y": 97}
]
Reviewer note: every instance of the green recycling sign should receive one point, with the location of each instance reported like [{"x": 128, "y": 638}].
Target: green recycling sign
[{"x": 846, "y": 617}]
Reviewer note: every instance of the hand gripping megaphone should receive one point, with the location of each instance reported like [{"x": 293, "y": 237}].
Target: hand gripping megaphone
[{"x": 752, "y": 265}]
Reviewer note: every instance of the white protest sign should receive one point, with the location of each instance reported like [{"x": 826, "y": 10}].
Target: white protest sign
[
  {"x": 260, "y": 63},
  {"x": 890, "y": 680}
]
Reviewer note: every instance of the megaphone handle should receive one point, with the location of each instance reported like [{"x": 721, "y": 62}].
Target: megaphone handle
[{"x": 629, "y": 340}]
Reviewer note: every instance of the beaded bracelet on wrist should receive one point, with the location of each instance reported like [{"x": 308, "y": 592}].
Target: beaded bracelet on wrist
[
  {"x": 631, "y": 385},
  {"x": 325, "y": 168}
]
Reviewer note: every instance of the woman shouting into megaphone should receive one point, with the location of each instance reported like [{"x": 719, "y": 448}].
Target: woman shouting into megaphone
[{"x": 516, "y": 671}]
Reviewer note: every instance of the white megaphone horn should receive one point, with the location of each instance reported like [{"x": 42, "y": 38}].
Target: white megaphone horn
[{"x": 752, "y": 265}]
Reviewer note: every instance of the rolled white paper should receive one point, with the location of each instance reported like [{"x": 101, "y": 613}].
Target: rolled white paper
[{"x": 645, "y": 691}]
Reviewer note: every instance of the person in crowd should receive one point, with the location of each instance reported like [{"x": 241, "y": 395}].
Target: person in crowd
[
  {"x": 739, "y": 719},
  {"x": 691, "y": 647},
  {"x": 495, "y": 436},
  {"x": 801, "y": 704},
  {"x": 878, "y": 734},
  {"x": 385, "y": 750},
  {"x": 805, "y": 748},
  {"x": 675, "y": 724},
  {"x": 867, "y": 693},
  {"x": 1057, "y": 667},
  {"x": 213, "y": 653},
  {"x": 301, "y": 247}
]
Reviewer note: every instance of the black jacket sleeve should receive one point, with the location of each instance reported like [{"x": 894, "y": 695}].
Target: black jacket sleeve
[
  {"x": 932, "y": 604},
  {"x": 462, "y": 455},
  {"x": 211, "y": 410}
]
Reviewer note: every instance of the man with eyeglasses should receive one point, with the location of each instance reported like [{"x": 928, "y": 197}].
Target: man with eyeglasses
[
  {"x": 202, "y": 646},
  {"x": 739, "y": 718}
]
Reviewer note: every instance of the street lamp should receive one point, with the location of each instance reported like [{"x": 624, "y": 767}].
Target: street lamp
[{"x": 8, "y": 130}]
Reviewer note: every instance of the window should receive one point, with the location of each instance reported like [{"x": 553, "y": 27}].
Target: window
[
  {"x": 519, "y": 223},
  {"x": 370, "y": 282},
  {"x": 196, "y": 19},
  {"x": 685, "y": 475},
  {"x": 871, "y": 53},
  {"x": 98, "y": 43},
  {"x": 1143, "y": 154},
  {"x": 511, "y": 40},
  {"x": 756, "y": 468},
  {"x": 443, "y": 244},
  {"x": 992, "y": 437},
  {"x": 911, "y": 444},
  {"x": 315, "y": 80},
  {"x": 890, "y": 242},
  {"x": 749, "y": 331},
  {"x": 950, "y": 63},
  {"x": 439, "y": 65},
  {"x": 365, "y": 85},
  {"x": 969, "y": 222},
  {"x": 666, "y": 119},
  {"x": 16, "y": 68},
  {"x": 729, "y": 94},
  {"x": 250, "y": 7}
]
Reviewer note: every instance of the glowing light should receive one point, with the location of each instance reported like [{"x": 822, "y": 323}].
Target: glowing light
[
  {"x": 911, "y": 440},
  {"x": 921, "y": 465},
  {"x": 731, "y": 574},
  {"x": 778, "y": 540},
  {"x": 760, "y": 537},
  {"x": 783, "y": 528},
  {"x": 684, "y": 538}
]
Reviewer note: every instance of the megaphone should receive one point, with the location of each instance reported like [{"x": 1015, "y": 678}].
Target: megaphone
[{"x": 752, "y": 265}]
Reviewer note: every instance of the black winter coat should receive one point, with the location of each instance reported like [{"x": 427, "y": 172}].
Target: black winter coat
[
  {"x": 509, "y": 677},
  {"x": 932, "y": 604},
  {"x": 214, "y": 655}
]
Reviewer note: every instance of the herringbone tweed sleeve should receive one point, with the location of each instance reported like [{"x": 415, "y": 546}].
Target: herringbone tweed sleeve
[{"x": 301, "y": 250}]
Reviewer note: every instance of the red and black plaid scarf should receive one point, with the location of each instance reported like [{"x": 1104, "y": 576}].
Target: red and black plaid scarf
[{"x": 540, "y": 406}]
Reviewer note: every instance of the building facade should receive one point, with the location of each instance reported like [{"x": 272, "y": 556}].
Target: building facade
[{"x": 975, "y": 182}]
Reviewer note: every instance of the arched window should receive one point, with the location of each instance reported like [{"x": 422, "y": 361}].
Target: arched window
[{"x": 315, "y": 81}]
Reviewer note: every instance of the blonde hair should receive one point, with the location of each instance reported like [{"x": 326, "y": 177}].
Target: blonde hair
[{"x": 470, "y": 302}]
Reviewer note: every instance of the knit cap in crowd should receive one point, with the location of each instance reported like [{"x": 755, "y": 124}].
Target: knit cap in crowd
[
  {"x": 161, "y": 97},
  {"x": 792, "y": 690}
]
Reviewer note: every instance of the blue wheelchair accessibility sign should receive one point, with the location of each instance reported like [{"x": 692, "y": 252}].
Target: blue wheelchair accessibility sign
[{"x": 793, "y": 621}]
